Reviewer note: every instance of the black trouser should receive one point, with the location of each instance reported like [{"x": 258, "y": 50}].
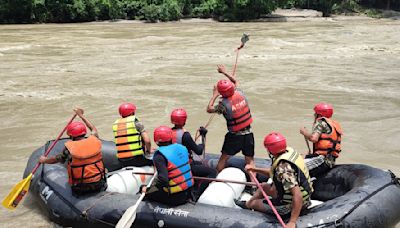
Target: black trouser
[
  {"x": 198, "y": 169},
  {"x": 319, "y": 170},
  {"x": 322, "y": 169},
  {"x": 174, "y": 199},
  {"x": 137, "y": 161}
]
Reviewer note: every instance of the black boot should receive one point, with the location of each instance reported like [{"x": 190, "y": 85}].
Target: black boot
[{"x": 241, "y": 203}]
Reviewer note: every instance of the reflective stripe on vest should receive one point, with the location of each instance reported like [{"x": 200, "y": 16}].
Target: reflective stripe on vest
[
  {"x": 177, "y": 135},
  {"x": 127, "y": 138},
  {"x": 303, "y": 177},
  {"x": 179, "y": 172},
  {"x": 86, "y": 164},
  {"x": 237, "y": 113},
  {"x": 330, "y": 143}
]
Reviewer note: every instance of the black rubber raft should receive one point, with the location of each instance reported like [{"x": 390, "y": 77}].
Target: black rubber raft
[{"x": 353, "y": 195}]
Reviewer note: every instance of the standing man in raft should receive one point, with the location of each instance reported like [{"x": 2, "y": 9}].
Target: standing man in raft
[{"x": 235, "y": 108}]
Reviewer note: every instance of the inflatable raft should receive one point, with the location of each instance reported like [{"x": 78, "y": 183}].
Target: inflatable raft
[{"x": 352, "y": 195}]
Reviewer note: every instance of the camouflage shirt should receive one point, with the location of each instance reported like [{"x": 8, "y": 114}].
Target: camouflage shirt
[
  {"x": 322, "y": 127},
  {"x": 64, "y": 156},
  {"x": 286, "y": 175},
  {"x": 139, "y": 126}
]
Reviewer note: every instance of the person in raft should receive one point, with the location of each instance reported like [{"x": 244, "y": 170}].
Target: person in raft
[
  {"x": 85, "y": 163},
  {"x": 291, "y": 187},
  {"x": 235, "y": 109},
  {"x": 130, "y": 134},
  {"x": 326, "y": 136},
  {"x": 181, "y": 136},
  {"x": 174, "y": 176}
]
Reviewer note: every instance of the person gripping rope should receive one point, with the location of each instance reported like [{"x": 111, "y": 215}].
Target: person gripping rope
[
  {"x": 85, "y": 163},
  {"x": 291, "y": 187},
  {"x": 326, "y": 137},
  {"x": 174, "y": 179},
  {"x": 181, "y": 136},
  {"x": 130, "y": 134},
  {"x": 235, "y": 109}
]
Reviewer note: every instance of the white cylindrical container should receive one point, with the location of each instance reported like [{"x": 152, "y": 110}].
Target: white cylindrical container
[
  {"x": 126, "y": 181},
  {"x": 223, "y": 194}
]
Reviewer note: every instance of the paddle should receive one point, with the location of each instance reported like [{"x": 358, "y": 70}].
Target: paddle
[
  {"x": 224, "y": 181},
  {"x": 308, "y": 145},
  {"x": 267, "y": 198},
  {"x": 208, "y": 179},
  {"x": 19, "y": 191},
  {"x": 244, "y": 39},
  {"x": 129, "y": 216}
]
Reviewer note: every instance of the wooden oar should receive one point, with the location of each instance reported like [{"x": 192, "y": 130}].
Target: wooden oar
[
  {"x": 308, "y": 145},
  {"x": 19, "y": 191},
  {"x": 129, "y": 216},
  {"x": 209, "y": 179},
  {"x": 267, "y": 198}
]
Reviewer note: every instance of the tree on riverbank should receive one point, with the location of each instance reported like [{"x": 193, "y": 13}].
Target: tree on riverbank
[{"x": 33, "y": 11}]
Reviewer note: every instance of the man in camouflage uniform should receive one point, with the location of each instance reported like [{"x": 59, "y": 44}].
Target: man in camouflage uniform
[
  {"x": 291, "y": 187},
  {"x": 326, "y": 136}
]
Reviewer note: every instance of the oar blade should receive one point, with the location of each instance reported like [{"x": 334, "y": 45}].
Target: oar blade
[
  {"x": 128, "y": 217},
  {"x": 17, "y": 193}
]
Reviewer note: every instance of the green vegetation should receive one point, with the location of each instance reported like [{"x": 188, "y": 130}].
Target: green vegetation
[
  {"x": 327, "y": 7},
  {"x": 37, "y": 11}
]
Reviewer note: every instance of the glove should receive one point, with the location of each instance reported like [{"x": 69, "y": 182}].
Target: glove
[{"x": 203, "y": 131}]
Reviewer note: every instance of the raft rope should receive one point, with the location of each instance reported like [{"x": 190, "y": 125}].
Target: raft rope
[{"x": 338, "y": 222}]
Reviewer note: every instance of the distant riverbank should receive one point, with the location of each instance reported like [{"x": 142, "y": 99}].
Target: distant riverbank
[{"x": 280, "y": 15}]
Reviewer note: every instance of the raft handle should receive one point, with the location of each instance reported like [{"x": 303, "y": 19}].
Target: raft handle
[
  {"x": 338, "y": 223},
  {"x": 395, "y": 180},
  {"x": 55, "y": 213}
]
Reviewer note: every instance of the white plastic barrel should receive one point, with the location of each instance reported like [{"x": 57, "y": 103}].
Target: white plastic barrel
[
  {"x": 126, "y": 181},
  {"x": 223, "y": 194}
]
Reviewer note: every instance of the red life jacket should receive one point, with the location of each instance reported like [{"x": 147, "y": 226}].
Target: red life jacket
[
  {"x": 237, "y": 113},
  {"x": 177, "y": 135},
  {"x": 329, "y": 143},
  {"x": 86, "y": 165}
]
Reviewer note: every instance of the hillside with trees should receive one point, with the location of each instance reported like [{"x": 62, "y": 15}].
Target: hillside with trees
[{"x": 56, "y": 11}]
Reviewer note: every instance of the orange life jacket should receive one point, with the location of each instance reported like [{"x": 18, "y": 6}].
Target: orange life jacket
[
  {"x": 329, "y": 143},
  {"x": 86, "y": 165},
  {"x": 237, "y": 113}
]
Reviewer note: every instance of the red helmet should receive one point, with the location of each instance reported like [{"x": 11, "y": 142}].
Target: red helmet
[
  {"x": 324, "y": 109},
  {"x": 275, "y": 143},
  {"x": 127, "y": 109},
  {"x": 162, "y": 134},
  {"x": 76, "y": 129},
  {"x": 226, "y": 88},
  {"x": 178, "y": 116}
]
